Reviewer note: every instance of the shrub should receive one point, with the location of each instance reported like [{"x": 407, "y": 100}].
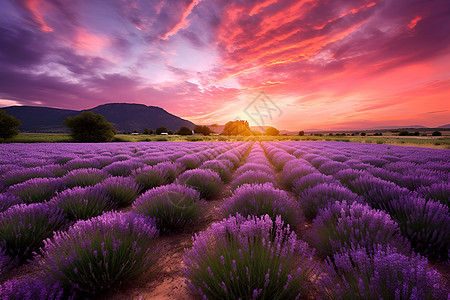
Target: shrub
[
  {"x": 207, "y": 182},
  {"x": 31, "y": 288},
  {"x": 8, "y": 200},
  {"x": 386, "y": 274},
  {"x": 23, "y": 228},
  {"x": 253, "y": 177},
  {"x": 173, "y": 206},
  {"x": 332, "y": 167},
  {"x": 99, "y": 254},
  {"x": 82, "y": 163},
  {"x": 219, "y": 167},
  {"x": 289, "y": 175},
  {"x": 437, "y": 192},
  {"x": 20, "y": 175},
  {"x": 36, "y": 189},
  {"x": 425, "y": 223},
  {"x": 249, "y": 259},
  {"x": 153, "y": 176},
  {"x": 84, "y": 177},
  {"x": 189, "y": 162},
  {"x": 272, "y": 131},
  {"x": 231, "y": 157},
  {"x": 122, "y": 190},
  {"x": 8, "y": 125},
  {"x": 122, "y": 168},
  {"x": 348, "y": 175},
  {"x": 322, "y": 195},
  {"x": 90, "y": 127},
  {"x": 84, "y": 203},
  {"x": 310, "y": 180},
  {"x": 436, "y": 133},
  {"x": 343, "y": 225},
  {"x": 262, "y": 199},
  {"x": 252, "y": 167}
]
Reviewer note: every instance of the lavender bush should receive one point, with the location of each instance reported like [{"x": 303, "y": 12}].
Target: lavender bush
[
  {"x": 36, "y": 189},
  {"x": 387, "y": 274},
  {"x": 207, "y": 182},
  {"x": 99, "y": 254},
  {"x": 122, "y": 190},
  {"x": 253, "y": 167},
  {"x": 172, "y": 206},
  {"x": 32, "y": 288},
  {"x": 437, "y": 191},
  {"x": 83, "y": 203},
  {"x": 291, "y": 174},
  {"x": 84, "y": 177},
  {"x": 253, "y": 258},
  {"x": 122, "y": 168},
  {"x": 263, "y": 199},
  {"x": 24, "y": 227},
  {"x": 153, "y": 176},
  {"x": 189, "y": 162},
  {"x": 344, "y": 225},
  {"x": 322, "y": 195},
  {"x": 219, "y": 167},
  {"x": 7, "y": 200},
  {"x": 425, "y": 223},
  {"x": 82, "y": 163},
  {"x": 310, "y": 180}
]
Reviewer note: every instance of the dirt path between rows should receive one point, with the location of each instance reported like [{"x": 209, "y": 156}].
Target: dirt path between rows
[{"x": 166, "y": 280}]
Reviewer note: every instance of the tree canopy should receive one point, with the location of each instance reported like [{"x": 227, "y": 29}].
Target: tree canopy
[
  {"x": 272, "y": 131},
  {"x": 202, "y": 130},
  {"x": 8, "y": 125},
  {"x": 238, "y": 127},
  {"x": 90, "y": 127},
  {"x": 184, "y": 131},
  {"x": 161, "y": 129}
]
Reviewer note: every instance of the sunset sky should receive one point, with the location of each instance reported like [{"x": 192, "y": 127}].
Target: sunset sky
[{"x": 337, "y": 64}]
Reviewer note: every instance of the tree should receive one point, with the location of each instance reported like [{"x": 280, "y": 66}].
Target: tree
[
  {"x": 238, "y": 127},
  {"x": 202, "y": 130},
  {"x": 301, "y": 133},
  {"x": 436, "y": 133},
  {"x": 8, "y": 125},
  {"x": 363, "y": 133},
  {"x": 184, "y": 131},
  {"x": 146, "y": 131},
  {"x": 403, "y": 133},
  {"x": 90, "y": 127},
  {"x": 272, "y": 131},
  {"x": 161, "y": 129}
]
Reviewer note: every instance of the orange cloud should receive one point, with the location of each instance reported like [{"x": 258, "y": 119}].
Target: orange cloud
[
  {"x": 183, "y": 23},
  {"x": 414, "y": 22},
  {"x": 35, "y": 7}
]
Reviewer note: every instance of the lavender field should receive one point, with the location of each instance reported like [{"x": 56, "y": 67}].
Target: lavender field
[{"x": 224, "y": 220}]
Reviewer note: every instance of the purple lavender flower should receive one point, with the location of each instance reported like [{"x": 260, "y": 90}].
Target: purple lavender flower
[
  {"x": 207, "y": 182},
  {"x": 189, "y": 162},
  {"x": 252, "y": 167},
  {"x": 332, "y": 167},
  {"x": 218, "y": 167},
  {"x": 99, "y": 254},
  {"x": 300, "y": 184},
  {"x": 36, "y": 189},
  {"x": 222, "y": 263},
  {"x": 437, "y": 192},
  {"x": 320, "y": 196},
  {"x": 8, "y": 200},
  {"x": 84, "y": 177},
  {"x": 83, "y": 203},
  {"x": 16, "y": 176},
  {"x": 122, "y": 168},
  {"x": 173, "y": 206},
  {"x": 262, "y": 199},
  {"x": 24, "y": 227},
  {"x": 82, "y": 163},
  {"x": 31, "y": 288},
  {"x": 291, "y": 174},
  {"x": 386, "y": 274},
  {"x": 344, "y": 225},
  {"x": 122, "y": 190}
]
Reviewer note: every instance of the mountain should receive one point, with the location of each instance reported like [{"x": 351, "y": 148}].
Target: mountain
[
  {"x": 395, "y": 127},
  {"x": 124, "y": 116},
  {"x": 444, "y": 126}
]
